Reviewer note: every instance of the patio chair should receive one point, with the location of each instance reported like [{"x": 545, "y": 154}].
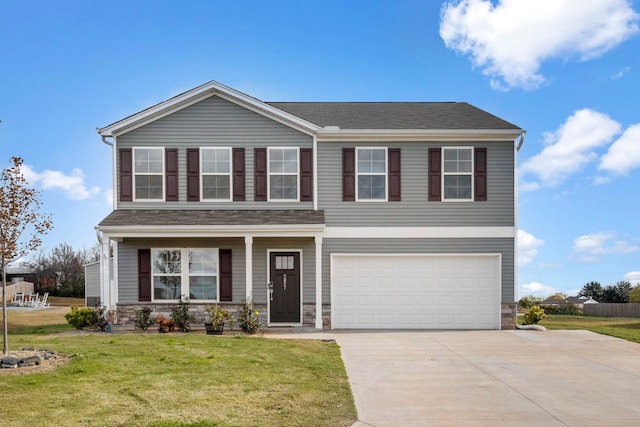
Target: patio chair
[
  {"x": 18, "y": 299},
  {"x": 42, "y": 303},
  {"x": 32, "y": 300}
]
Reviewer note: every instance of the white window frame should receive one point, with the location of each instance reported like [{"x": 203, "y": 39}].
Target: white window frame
[
  {"x": 472, "y": 174},
  {"x": 184, "y": 274},
  {"x": 385, "y": 174},
  {"x": 297, "y": 174},
  {"x": 229, "y": 174},
  {"x": 135, "y": 174}
]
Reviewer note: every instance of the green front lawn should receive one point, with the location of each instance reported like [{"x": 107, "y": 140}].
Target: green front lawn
[
  {"x": 180, "y": 380},
  {"x": 625, "y": 328}
]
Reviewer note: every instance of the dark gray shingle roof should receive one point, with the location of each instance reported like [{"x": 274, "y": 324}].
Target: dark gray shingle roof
[
  {"x": 212, "y": 217},
  {"x": 395, "y": 115}
]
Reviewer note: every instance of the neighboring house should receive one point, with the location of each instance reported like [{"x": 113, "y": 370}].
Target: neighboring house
[
  {"x": 579, "y": 302},
  {"x": 327, "y": 214}
]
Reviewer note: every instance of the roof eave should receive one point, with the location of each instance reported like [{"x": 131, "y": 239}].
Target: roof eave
[
  {"x": 333, "y": 134},
  {"x": 198, "y": 94},
  {"x": 278, "y": 230}
]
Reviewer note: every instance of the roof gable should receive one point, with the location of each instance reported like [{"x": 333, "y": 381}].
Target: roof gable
[
  {"x": 196, "y": 95},
  {"x": 336, "y": 119}
]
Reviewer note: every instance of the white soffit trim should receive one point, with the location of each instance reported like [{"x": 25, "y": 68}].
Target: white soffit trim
[
  {"x": 328, "y": 135},
  {"x": 296, "y": 230},
  {"x": 418, "y": 232},
  {"x": 198, "y": 94}
]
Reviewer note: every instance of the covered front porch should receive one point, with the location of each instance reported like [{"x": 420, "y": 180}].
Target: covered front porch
[{"x": 272, "y": 259}]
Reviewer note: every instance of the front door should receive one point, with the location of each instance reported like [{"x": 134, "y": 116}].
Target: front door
[{"x": 285, "y": 277}]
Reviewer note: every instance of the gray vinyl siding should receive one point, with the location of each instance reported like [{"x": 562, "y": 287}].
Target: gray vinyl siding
[
  {"x": 214, "y": 122},
  {"x": 260, "y": 273},
  {"x": 422, "y": 246},
  {"x": 415, "y": 210},
  {"x": 128, "y": 262}
]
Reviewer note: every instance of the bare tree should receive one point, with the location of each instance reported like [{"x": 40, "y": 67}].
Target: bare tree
[{"x": 21, "y": 225}]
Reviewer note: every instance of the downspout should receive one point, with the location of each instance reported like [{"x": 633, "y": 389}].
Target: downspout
[
  {"x": 113, "y": 165},
  {"x": 515, "y": 225}
]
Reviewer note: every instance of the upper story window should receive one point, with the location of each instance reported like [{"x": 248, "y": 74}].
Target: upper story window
[
  {"x": 283, "y": 174},
  {"x": 457, "y": 167},
  {"x": 371, "y": 174},
  {"x": 178, "y": 272},
  {"x": 215, "y": 173},
  {"x": 148, "y": 172}
]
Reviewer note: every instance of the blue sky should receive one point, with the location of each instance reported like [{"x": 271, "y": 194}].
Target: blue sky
[{"x": 569, "y": 75}]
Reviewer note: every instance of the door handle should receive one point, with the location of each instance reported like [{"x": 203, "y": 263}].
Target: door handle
[{"x": 270, "y": 285}]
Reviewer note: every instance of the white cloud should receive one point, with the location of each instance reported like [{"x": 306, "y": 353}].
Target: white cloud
[
  {"x": 570, "y": 147},
  {"x": 527, "y": 247},
  {"x": 620, "y": 73},
  {"x": 511, "y": 39},
  {"x": 623, "y": 154},
  {"x": 108, "y": 196},
  {"x": 536, "y": 289},
  {"x": 591, "y": 247},
  {"x": 633, "y": 277},
  {"x": 73, "y": 185}
]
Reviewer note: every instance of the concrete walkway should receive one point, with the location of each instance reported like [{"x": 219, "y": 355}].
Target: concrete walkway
[{"x": 491, "y": 378}]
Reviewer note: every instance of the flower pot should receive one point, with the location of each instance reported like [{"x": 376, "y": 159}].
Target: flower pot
[{"x": 213, "y": 330}]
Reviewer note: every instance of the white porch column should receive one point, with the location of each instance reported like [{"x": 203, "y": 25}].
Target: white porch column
[
  {"x": 318, "y": 240},
  {"x": 248, "y": 256},
  {"x": 105, "y": 277}
]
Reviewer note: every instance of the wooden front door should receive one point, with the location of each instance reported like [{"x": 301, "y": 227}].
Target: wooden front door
[{"x": 285, "y": 277}]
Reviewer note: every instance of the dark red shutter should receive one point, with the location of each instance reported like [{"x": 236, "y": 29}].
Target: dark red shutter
[
  {"x": 306, "y": 174},
  {"x": 238, "y": 174},
  {"x": 226, "y": 290},
  {"x": 394, "y": 175},
  {"x": 260, "y": 174},
  {"x": 435, "y": 174},
  {"x": 348, "y": 174},
  {"x": 193, "y": 174},
  {"x": 480, "y": 174},
  {"x": 144, "y": 275},
  {"x": 126, "y": 175},
  {"x": 171, "y": 174}
]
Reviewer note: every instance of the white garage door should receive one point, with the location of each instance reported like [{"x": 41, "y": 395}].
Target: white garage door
[{"x": 415, "y": 291}]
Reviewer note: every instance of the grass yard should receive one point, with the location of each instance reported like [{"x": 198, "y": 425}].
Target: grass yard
[
  {"x": 625, "y": 328},
  {"x": 176, "y": 380}
]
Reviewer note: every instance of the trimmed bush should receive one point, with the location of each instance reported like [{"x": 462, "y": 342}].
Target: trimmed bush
[
  {"x": 180, "y": 314},
  {"x": 534, "y": 315},
  {"x": 143, "y": 318},
  {"x": 87, "y": 317}
]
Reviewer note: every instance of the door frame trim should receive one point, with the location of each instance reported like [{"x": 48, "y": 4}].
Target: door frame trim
[{"x": 269, "y": 252}]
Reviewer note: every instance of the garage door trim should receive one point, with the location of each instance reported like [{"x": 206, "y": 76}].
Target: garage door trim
[{"x": 498, "y": 265}]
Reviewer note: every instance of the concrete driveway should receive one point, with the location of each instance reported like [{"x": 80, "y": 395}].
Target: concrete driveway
[{"x": 492, "y": 378}]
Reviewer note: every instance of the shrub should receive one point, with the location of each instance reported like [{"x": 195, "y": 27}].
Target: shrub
[
  {"x": 534, "y": 315},
  {"x": 248, "y": 319},
  {"x": 143, "y": 318},
  {"x": 87, "y": 317},
  {"x": 180, "y": 314},
  {"x": 564, "y": 308},
  {"x": 529, "y": 301},
  {"x": 219, "y": 316}
]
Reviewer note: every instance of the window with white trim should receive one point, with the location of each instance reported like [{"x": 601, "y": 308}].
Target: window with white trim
[
  {"x": 191, "y": 272},
  {"x": 457, "y": 167},
  {"x": 283, "y": 174},
  {"x": 148, "y": 173},
  {"x": 215, "y": 173},
  {"x": 371, "y": 174}
]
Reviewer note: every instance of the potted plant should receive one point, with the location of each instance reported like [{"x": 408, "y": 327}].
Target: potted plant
[{"x": 217, "y": 317}]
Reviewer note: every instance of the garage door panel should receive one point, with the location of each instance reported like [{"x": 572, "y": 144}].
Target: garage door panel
[{"x": 416, "y": 292}]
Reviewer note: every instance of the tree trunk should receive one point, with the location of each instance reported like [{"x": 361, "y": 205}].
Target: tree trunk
[{"x": 5, "y": 334}]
